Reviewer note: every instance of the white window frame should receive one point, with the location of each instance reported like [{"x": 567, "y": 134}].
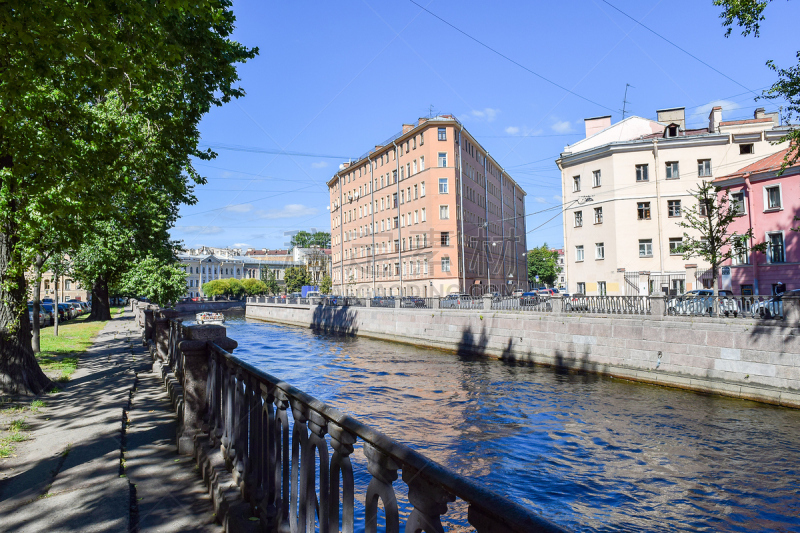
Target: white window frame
[
  {"x": 702, "y": 171},
  {"x": 576, "y": 184},
  {"x": 602, "y": 288},
  {"x": 446, "y": 264},
  {"x": 765, "y": 189},
  {"x": 441, "y": 159},
  {"x": 645, "y": 242},
  {"x": 580, "y": 287},
  {"x": 672, "y": 240},
  {"x": 680, "y": 209},
  {"x": 668, "y": 170},
  {"x": 645, "y": 174},
  {"x": 446, "y": 188},
  {"x": 783, "y": 244},
  {"x": 599, "y": 251},
  {"x": 444, "y": 210},
  {"x": 598, "y": 215},
  {"x": 596, "y": 178},
  {"x": 579, "y": 254},
  {"x": 742, "y": 211},
  {"x": 578, "y": 215}
]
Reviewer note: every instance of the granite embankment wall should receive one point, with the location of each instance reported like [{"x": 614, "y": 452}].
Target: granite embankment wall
[
  {"x": 744, "y": 358},
  {"x": 197, "y": 307}
]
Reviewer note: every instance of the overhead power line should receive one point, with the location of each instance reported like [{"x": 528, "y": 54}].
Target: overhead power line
[
  {"x": 520, "y": 65},
  {"x": 255, "y": 150},
  {"x": 676, "y": 46}
]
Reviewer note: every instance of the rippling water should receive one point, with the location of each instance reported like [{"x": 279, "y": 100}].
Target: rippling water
[{"x": 587, "y": 452}]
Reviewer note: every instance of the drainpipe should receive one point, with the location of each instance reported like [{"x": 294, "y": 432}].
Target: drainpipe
[
  {"x": 341, "y": 236},
  {"x": 658, "y": 209},
  {"x": 372, "y": 221},
  {"x": 461, "y": 208},
  {"x": 399, "y": 229},
  {"x": 754, "y": 255}
]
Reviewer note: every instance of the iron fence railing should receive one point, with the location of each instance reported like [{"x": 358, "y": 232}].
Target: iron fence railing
[
  {"x": 382, "y": 302},
  {"x": 274, "y": 437},
  {"x": 729, "y": 306},
  {"x": 608, "y": 305},
  {"x": 343, "y": 301},
  {"x": 466, "y": 302},
  {"x": 516, "y": 303},
  {"x": 416, "y": 302}
]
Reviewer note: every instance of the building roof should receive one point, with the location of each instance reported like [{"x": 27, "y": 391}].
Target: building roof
[
  {"x": 268, "y": 252},
  {"x": 746, "y": 121},
  {"x": 768, "y": 164}
]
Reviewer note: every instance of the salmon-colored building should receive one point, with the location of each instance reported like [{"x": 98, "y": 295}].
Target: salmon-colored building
[{"x": 427, "y": 213}]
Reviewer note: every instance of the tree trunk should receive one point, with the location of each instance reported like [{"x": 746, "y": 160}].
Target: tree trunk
[
  {"x": 37, "y": 306},
  {"x": 101, "y": 308},
  {"x": 55, "y": 304},
  {"x": 19, "y": 371}
]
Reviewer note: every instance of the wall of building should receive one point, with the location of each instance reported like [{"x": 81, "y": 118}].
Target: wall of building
[{"x": 739, "y": 358}]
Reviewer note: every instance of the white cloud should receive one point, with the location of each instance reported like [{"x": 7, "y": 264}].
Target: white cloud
[
  {"x": 239, "y": 208},
  {"x": 488, "y": 113},
  {"x": 512, "y": 130},
  {"x": 541, "y": 200},
  {"x": 557, "y": 198},
  {"x": 201, "y": 230},
  {"x": 319, "y": 164},
  {"x": 241, "y": 245},
  {"x": 703, "y": 111},
  {"x": 288, "y": 211},
  {"x": 562, "y": 126}
]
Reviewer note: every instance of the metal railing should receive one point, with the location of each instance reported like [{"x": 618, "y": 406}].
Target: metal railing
[
  {"x": 416, "y": 302},
  {"x": 461, "y": 303},
  {"x": 382, "y": 302},
  {"x": 608, "y": 305},
  {"x": 343, "y": 301},
  {"x": 294, "y": 483},
  {"x": 534, "y": 303},
  {"x": 729, "y": 306}
]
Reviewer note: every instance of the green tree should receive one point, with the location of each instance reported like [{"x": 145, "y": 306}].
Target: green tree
[
  {"x": 215, "y": 287},
  {"x": 270, "y": 280},
  {"x": 235, "y": 288},
  {"x": 295, "y": 278},
  {"x": 543, "y": 262},
  {"x": 748, "y": 14},
  {"x": 304, "y": 239},
  {"x": 325, "y": 285},
  {"x": 80, "y": 98},
  {"x": 162, "y": 283},
  {"x": 712, "y": 239},
  {"x": 254, "y": 287}
]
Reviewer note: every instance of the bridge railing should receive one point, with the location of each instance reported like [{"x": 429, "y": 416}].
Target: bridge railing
[
  {"x": 534, "y": 303},
  {"x": 607, "y": 305},
  {"x": 297, "y": 482}
]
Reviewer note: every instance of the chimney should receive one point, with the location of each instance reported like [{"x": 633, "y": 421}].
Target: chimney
[
  {"x": 673, "y": 115},
  {"x": 714, "y": 118},
  {"x": 422, "y": 121},
  {"x": 407, "y": 128},
  {"x": 596, "y": 124},
  {"x": 775, "y": 116}
]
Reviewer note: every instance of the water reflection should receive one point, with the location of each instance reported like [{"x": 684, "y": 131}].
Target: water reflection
[{"x": 590, "y": 453}]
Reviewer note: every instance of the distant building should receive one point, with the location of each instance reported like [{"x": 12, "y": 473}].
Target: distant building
[
  {"x": 68, "y": 288},
  {"x": 426, "y": 213},
  {"x": 768, "y": 203},
  {"x": 266, "y": 254},
  {"x": 625, "y": 188},
  {"x": 315, "y": 259},
  {"x": 561, "y": 280},
  {"x": 202, "y": 266}
]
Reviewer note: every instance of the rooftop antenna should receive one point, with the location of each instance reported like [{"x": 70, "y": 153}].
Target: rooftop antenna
[
  {"x": 625, "y": 99},
  {"x": 430, "y": 111}
]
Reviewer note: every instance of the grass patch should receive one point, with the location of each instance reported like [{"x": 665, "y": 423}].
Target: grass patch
[
  {"x": 16, "y": 434},
  {"x": 59, "y": 355},
  {"x": 36, "y": 405},
  {"x": 18, "y": 425},
  {"x": 117, "y": 310}
]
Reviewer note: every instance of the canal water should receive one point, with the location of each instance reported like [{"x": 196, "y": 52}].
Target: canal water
[{"x": 587, "y": 452}]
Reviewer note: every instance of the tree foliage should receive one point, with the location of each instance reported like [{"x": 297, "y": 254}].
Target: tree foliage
[
  {"x": 710, "y": 218},
  {"x": 254, "y": 287},
  {"x": 230, "y": 287},
  {"x": 304, "y": 239},
  {"x": 296, "y": 278},
  {"x": 325, "y": 285},
  {"x": 543, "y": 262},
  {"x": 162, "y": 283},
  {"x": 748, "y": 14}
]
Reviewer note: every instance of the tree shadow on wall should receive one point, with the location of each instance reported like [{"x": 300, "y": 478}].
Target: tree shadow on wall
[
  {"x": 337, "y": 320},
  {"x": 472, "y": 346}
]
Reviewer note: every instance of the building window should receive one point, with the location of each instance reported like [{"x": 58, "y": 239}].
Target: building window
[
  {"x": 772, "y": 197},
  {"x": 442, "y": 134},
  {"x": 741, "y": 255},
  {"x": 67, "y": 285},
  {"x": 579, "y": 253},
  {"x": 576, "y": 184},
  {"x": 422, "y": 189},
  {"x": 394, "y": 199},
  {"x": 596, "y": 178},
  {"x": 402, "y": 196},
  {"x": 444, "y": 212},
  {"x": 703, "y": 168},
  {"x": 598, "y": 215},
  {"x": 581, "y": 286},
  {"x": 599, "y": 250},
  {"x": 746, "y": 149},
  {"x": 421, "y": 163},
  {"x": 442, "y": 159},
  {"x": 641, "y": 173},
  {"x": 775, "y": 252},
  {"x": 445, "y": 264},
  {"x": 747, "y": 290},
  {"x": 445, "y": 238},
  {"x": 414, "y": 166},
  {"x": 672, "y": 170},
  {"x": 578, "y": 219},
  {"x": 422, "y": 215},
  {"x": 645, "y": 247},
  {"x": 674, "y": 208},
  {"x": 643, "y": 210},
  {"x": 675, "y": 244},
  {"x": 442, "y": 185},
  {"x": 737, "y": 204},
  {"x": 601, "y": 288}
]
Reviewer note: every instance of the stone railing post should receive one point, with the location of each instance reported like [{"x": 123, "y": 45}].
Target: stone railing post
[
  {"x": 658, "y": 306},
  {"x": 162, "y": 334},
  {"x": 397, "y": 302},
  {"x": 149, "y": 324},
  {"x": 435, "y": 303},
  {"x": 368, "y": 302},
  {"x": 791, "y": 311},
  {"x": 487, "y": 302},
  {"x": 195, "y": 353},
  {"x": 314, "y": 301}
]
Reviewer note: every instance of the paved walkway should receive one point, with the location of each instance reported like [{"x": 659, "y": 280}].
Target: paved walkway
[{"x": 72, "y": 476}]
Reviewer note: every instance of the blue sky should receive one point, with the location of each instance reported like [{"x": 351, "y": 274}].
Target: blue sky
[{"x": 335, "y": 78}]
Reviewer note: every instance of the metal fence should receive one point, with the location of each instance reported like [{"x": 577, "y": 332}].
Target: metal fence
[
  {"x": 728, "y": 306},
  {"x": 301, "y": 481},
  {"x": 607, "y": 305},
  {"x": 461, "y": 303},
  {"x": 382, "y": 302},
  {"x": 416, "y": 302},
  {"x": 534, "y": 303},
  {"x": 343, "y": 301}
]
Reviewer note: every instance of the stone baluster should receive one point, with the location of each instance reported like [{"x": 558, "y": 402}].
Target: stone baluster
[
  {"x": 228, "y": 395},
  {"x": 195, "y": 353},
  {"x": 342, "y": 442},
  {"x": 256, "y": 443},
  {"x": 429, "y": 501},
  {"x": 161, "y": 334},
  {"x": 298, "y": 505},
  {"x": 384, "y": 472},
  {"x": 149, "y": 325},
  {"x": 281, "y": 482}
]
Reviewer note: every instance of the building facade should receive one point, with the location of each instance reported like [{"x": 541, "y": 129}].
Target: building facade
[
  {"x": 625, "y": 188},
  {"x": 768, "y": 203},
  {"x": 68, "y": 288},
  {"x": 202, "y": 267},
  {"x": 426, "y": 213}
]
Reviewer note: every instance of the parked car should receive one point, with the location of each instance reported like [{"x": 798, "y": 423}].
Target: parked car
[
  {"x": 517, "y": 294},
  {"x": 694, "y": 302},
  {"x": 412, "y": 301},
  {"x": 77, "y": 308},
  {"x": 774, "y": 306},
  {"x": 529, "y": 298},
  {"x": 547, "y": 292},
  {"x": 575, "y": 302},
  {"x": 42, "y": 316},
  {"x": 313, "y": 294},
  {"x": 454, "y": 300},
  {"x": 68, "y": 311}
]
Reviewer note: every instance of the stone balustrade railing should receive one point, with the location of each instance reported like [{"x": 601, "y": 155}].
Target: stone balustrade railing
[{"x": 272, "y": 440}]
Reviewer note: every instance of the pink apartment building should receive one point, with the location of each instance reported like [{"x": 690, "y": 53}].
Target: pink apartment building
[
  {"x": 768, "y": 203},
  {"x": 427, "y": 213}
]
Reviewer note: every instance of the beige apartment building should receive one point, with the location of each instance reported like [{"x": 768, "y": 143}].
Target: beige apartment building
[
  {"x": 625, "y": 188},
  {"x": 427, "y": 213}
]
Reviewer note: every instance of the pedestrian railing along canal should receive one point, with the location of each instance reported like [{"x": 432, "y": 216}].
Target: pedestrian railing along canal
[{"x": 727, "y": 306}]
